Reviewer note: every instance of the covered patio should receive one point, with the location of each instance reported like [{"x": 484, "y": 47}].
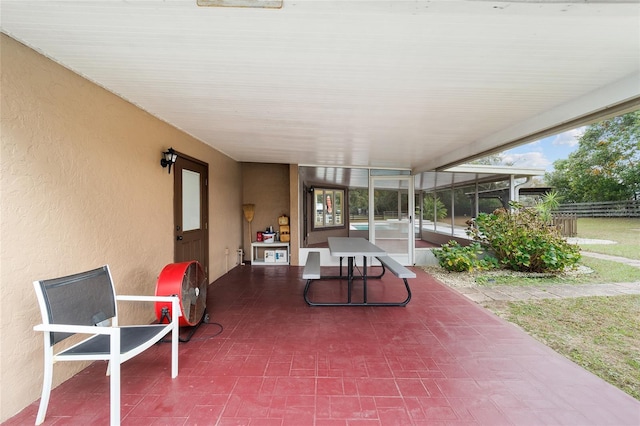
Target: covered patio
[
  {"x": 440, "y": 360},
  {"x": 95, "y": 93}
]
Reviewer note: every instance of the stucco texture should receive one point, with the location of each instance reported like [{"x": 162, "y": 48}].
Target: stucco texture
[
  {"x": 267, "y": 187},
  {"x": 81, "y": 186}
]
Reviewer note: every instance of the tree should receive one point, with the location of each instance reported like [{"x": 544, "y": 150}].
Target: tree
[
  {"x": 606, "y": 165},
  {"x": 358, "y": 201},
  {"x": 493, "y": 160},
  {"x": 428, "y": 209}
]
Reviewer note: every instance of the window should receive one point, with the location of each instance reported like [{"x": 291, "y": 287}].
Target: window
[{"x": 328, "y": 207}]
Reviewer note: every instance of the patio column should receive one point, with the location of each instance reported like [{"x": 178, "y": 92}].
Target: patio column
[
  {"x": 435, "y": 198},
  {"x": 453, "y": 207},
  {"x": 513, "y": 195},
  {"x": 477, "y": 198}
]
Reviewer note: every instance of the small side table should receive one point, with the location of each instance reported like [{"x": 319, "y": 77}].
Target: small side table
[{"x": 276, "y": 253}]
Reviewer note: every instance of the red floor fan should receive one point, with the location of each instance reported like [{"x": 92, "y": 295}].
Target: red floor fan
[{"x": 187, "y": 281}]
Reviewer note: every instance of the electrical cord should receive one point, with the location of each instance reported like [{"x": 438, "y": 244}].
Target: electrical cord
[{"x": 205, "y": 320}]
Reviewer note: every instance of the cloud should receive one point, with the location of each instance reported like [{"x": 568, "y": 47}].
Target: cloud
[
  {"x": 569, "y": 138},
  {"x": 533, "y": 159}
]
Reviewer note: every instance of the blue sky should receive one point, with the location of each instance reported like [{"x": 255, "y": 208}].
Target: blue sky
[{"x": 542, "y": 153}]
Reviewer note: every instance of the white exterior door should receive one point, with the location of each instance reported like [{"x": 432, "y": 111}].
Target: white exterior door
[{"x": 391, "y": 216}]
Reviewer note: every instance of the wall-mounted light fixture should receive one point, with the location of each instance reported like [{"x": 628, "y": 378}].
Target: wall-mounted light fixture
[{"x": 169, "y": 158}]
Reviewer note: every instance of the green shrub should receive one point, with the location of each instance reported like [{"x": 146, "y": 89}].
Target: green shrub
[
  {"x": 523, "y": 240},
  {"x": 455, "y": 258}
]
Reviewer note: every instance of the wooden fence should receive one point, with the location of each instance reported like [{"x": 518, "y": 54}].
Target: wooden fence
[
  {"x": 567, "y": 223},
  {"x": 601, "y": 209}
]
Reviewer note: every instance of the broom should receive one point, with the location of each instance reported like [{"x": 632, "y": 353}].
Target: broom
[{"x": 249, "y": 210}]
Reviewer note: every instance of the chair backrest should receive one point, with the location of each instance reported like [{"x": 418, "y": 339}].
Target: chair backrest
[{"x": 87, "y": 298}]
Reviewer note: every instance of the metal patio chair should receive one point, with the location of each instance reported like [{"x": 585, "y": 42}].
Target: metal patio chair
[{"x": 85, "y": 303}]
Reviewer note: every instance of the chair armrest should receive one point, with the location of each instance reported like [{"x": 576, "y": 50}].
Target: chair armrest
[
  {"x": 175, "y": 301},
  {"x": 146, "y": 298},
  {"x": 69, "y": 328}
]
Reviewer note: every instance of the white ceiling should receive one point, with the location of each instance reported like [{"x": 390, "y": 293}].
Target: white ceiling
[{"x": 402, "y": 84}]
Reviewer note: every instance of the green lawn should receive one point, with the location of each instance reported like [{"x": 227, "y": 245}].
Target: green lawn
[{"x": 625, "y": 231}]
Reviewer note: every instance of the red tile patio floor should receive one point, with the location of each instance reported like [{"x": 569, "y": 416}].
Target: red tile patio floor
[{"x": 440, "y": 360}]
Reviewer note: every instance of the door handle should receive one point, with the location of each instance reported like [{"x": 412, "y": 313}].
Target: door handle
[{"x": 179, "y": 238}]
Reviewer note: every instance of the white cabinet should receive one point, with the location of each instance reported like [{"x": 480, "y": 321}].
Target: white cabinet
[{"x": 276, "y": 253}]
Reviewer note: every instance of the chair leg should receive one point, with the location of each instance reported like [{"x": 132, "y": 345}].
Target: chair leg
[
  {"x": 46, "y": 387},
  {"x": 114, "y": 382},
  {"x": 175, "y": 338}
]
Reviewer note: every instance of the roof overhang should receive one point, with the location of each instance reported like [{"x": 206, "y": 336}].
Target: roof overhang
[{"x": 418, "y": 85}]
